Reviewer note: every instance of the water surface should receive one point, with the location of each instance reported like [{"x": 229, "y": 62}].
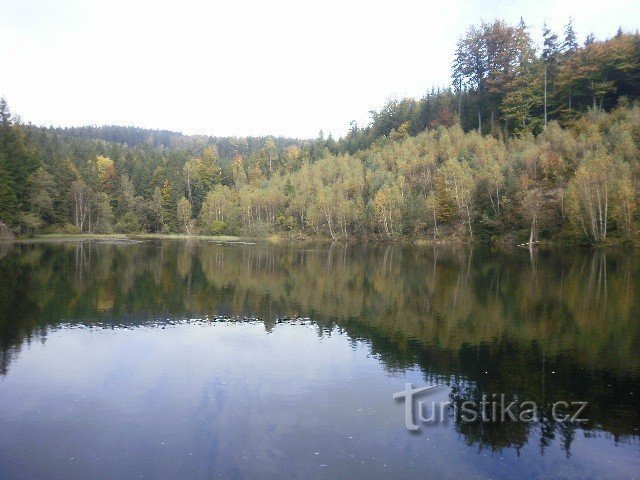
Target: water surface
[{"x": 190, "y": 359}]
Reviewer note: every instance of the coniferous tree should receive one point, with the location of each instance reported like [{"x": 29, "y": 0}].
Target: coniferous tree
[{"x": 550, "y": 53}]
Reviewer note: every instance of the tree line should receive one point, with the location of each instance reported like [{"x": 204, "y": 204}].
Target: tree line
[
  {"x": 525, "y": 145},
  {"x": 501, "y": 84}
]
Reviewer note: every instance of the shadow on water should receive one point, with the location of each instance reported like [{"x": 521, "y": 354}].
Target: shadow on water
[{"x": 543, "y": 325}]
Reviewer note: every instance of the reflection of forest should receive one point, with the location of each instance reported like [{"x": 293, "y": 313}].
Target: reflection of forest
[{"x": 547, "y": 326}]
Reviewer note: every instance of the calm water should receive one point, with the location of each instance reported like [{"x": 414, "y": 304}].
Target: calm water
[{"x": 176, "y": 359}]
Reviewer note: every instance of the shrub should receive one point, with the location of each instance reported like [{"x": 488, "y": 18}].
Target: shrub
[{"x": 129, "y": 223}]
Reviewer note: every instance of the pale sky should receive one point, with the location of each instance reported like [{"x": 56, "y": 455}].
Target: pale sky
[{"x": 248, "y": 67}]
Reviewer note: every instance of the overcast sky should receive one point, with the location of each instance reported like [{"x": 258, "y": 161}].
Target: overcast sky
[{"x": 247, "y": 67}]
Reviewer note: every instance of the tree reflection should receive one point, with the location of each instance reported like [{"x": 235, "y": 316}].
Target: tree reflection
[{"x": 542, "y": 325}]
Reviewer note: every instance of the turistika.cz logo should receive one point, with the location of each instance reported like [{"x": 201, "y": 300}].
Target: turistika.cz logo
[{"x": 496, "y": 408}]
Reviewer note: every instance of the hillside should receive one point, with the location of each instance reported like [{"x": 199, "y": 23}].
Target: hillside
[{"x": 527, "y": 146}]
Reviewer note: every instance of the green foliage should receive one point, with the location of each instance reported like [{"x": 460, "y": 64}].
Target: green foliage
[
  {"x": 29, "y": 223},
  {"x": 217, "y": 227},
  {"x": 436, "y": 183},
  {"x": 67, "y": 229},
  {"x": 9, "y": 204},
  {"x": 42, "y": 192},
  {"x": 18, "y": 160},
  {"x": 184, "y": 216},
  {"x": 521, "y": 145},
  {"x": 105, "y": 218},
  {"x": 129, "y": 223}
]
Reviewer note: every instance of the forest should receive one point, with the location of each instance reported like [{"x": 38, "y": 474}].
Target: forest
[{"x": 528, "y": 144}]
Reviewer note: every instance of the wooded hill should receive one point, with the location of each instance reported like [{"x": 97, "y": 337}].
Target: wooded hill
[{"x": 528, "y": 145}]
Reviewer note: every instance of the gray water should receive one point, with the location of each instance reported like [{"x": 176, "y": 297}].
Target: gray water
[{"x": 190, "y": 359}]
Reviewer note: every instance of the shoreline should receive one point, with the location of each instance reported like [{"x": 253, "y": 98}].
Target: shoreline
[{"x": 304, "y": 239}]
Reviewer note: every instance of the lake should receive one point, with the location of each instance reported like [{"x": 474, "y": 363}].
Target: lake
[{"x": 170, "y": 359}]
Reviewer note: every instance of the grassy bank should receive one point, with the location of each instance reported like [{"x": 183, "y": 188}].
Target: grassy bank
[
  {"x": 299, "y": 238},
  {"x": 59, "y": 237}
]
